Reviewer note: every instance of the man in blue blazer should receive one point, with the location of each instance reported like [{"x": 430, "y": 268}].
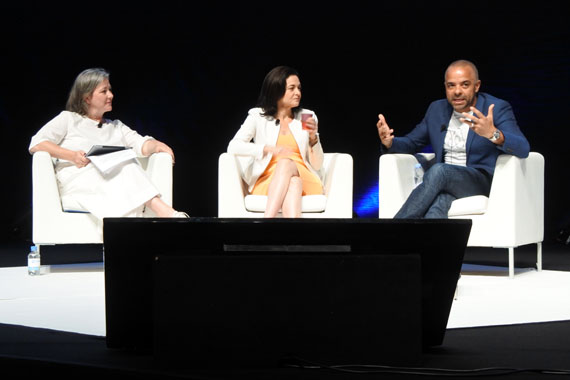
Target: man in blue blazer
[{"x": 467, "y": 132}]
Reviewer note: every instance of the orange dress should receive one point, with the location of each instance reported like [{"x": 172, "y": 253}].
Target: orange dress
[{"x": 311, "y": 183}]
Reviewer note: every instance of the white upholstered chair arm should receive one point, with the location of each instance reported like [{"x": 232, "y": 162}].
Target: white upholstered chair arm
[
  {"x": 396, "y": 171},
  {"x": 50, "y": 225},
  {"x": 338, "y": 184},
  {"x": 46, "y": 200},
  {"x": 231, "y": 190},
  {"x": 517, "y": 194}
]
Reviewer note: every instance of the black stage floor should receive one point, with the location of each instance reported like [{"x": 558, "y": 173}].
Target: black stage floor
[{"x": 526, "y": 351}]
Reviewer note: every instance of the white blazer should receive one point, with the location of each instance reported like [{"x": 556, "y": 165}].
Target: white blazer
[{"x": 258, "y": 131}]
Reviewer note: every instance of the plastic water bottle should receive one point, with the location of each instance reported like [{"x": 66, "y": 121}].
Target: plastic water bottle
[
  {"x": 418, "y": 174},
  {"x": 34, "y": 262}
]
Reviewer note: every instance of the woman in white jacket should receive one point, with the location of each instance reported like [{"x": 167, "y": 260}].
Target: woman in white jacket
[{"x": 283, "y": 154}]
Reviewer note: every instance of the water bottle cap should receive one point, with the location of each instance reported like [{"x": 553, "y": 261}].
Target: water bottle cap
[{"x": 33, "y": 248}]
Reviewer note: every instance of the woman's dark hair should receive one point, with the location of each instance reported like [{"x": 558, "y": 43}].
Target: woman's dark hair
[{"x": 273, "y": 89}]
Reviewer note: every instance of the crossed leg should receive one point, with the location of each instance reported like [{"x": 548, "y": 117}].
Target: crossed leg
[
  {"x": 443, "y": 183},
  {"x": 285, "y": 190},
  {"x": 292, "y": 203}
]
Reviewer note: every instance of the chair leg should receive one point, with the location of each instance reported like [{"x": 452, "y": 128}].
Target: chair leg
[
  {"x": 539, "y": 256},
  {"x": 511, "y": 262}
]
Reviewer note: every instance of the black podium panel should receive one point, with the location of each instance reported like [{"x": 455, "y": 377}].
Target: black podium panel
[
  {"x": 259, "y": 310},
  {"x": 137, "y": 247}
]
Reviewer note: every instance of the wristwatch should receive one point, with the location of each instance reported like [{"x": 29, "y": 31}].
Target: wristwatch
[{"x": 496, "y": 136}]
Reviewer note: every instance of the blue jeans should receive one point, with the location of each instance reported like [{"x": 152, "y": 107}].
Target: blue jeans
[{"x": 442, "y": 184}]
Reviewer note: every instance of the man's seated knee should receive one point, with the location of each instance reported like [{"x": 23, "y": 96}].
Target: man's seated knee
[{"x": 436, "y": 171}]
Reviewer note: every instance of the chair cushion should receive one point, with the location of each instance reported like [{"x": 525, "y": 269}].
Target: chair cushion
[
  {"x": 476, "y": 204},
  {"x": 310, "y": 203}
]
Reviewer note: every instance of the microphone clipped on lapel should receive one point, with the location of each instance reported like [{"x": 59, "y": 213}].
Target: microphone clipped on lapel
[{"x": 443, "y": 128}]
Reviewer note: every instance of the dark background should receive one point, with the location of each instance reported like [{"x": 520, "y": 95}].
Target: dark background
[{"x": 187, "y": 73}]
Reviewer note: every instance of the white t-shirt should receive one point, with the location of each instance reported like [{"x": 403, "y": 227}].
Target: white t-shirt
[{"x": 454, "y": 145}]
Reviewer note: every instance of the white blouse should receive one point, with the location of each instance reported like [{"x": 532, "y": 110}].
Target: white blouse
[{"x": 75, "y": 132}]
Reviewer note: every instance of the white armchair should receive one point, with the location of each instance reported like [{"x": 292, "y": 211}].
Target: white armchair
[
  {"x": 512, "y": 215},
  {"x": 52, "y": 225},
  {"x": 235, "y": 202}
]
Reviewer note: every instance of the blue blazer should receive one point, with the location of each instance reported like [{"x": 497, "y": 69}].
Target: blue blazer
[{"x": 481, "y": 153}]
